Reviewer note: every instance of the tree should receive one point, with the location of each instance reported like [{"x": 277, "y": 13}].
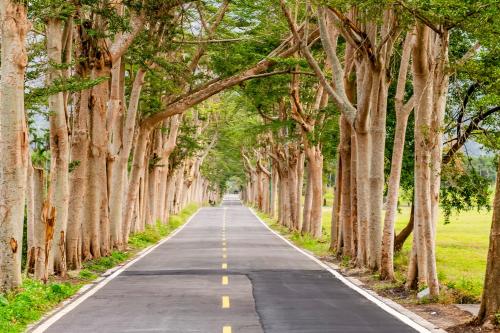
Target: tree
[
  {"x": 490, "y": 301},
  {"x": 13, "y": 140}
]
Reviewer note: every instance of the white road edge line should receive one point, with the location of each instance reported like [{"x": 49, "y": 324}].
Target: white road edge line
[
  {"x": 66, "y": 309},
  {"x": 351, "y": 285}
]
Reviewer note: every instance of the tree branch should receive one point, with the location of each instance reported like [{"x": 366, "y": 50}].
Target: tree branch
[
  {"x": 346, "y": 108},
  {"x": 474, "y": 125}
]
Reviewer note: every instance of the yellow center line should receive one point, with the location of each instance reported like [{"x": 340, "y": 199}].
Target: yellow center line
[
  {"x": 223, "y": 243},
  {"x": 225, "y": 302},
  {"x": 224, "y": 266},
  {"x": 225, "y": 280},
  {"x": 224, "y": 255},
  {"x": 224, "y": 249},
  {"x": 226, "y": 329}
]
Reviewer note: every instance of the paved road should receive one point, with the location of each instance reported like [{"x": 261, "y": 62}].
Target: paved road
[{"x": 226, "y": 272}]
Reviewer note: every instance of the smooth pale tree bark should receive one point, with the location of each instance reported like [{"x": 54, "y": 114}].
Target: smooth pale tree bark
[
  {"x": 39, "y": 233},
  {"x": 115, "y": 167},
  {"x": 363, "y": 152},
  {"x": 97, "y": 221},
  {"x": 335, "y": 222},
  {"x": 490, "y": 300},
  {"x": 43, "y": 216},
  {"x": 299, "y": 186},
  {"x": 274, "y": 189},
  {"x": 313, "y": 206},
  {"x": 402, "y": 113},
  {"x": 354, "y": 194},
  {"x": 429, "y": 81},
  {"x": 379, "y": 61},
  {"x": 345, "y": 179},
  {"x": 75, "y": 251},
  {"x": 170, "y": 143},
  {"x": 154, "y": 175},
  {"x": 138, "y": 168},
  {"x": 293, "y": 155},
  {"x": 266, "y": 178},
  {"x": 315, "y": 160},
  {"x": 121, "y": 147},
  {"x": 30, "y": 219},
  {"x": 59, "y": 146},
  {"x": 306, "y": 212},
  {"x": 13, "y": 140},
  {"x": 284, "y": 212}
]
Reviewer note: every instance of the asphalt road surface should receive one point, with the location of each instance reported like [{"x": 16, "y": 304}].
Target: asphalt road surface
[{"x": 226, "y": 272}]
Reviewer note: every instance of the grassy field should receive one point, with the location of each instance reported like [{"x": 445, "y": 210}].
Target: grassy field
[
  {"x": 461, "y": 246},
  {"x": 34, "y": 299},
  {"x": 461, "y": 251}
]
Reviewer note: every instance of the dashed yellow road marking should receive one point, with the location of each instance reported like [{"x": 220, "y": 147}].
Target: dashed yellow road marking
[
  {"x": 225, "y": 280},
  {"x": 224, "y": 255},
  {"x": 224, "y": 249},
  {"x": 226, "y": 329},
  {"x": 224, "y": 266},
  {"x": 223, "y": 243},
  {"x": 225, "y": 302}
]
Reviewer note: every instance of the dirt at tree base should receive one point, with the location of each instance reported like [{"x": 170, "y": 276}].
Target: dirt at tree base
[{"x": 466, "y": 328}]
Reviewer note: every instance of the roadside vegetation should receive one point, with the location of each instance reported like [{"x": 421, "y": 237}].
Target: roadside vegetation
[{"x": 19, "y": 308}]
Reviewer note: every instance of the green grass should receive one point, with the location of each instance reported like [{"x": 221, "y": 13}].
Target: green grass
[
  {"x": 28, "y": 304},
  {"x": 17, "y": 309},
  {"x": 461, "y": 250}
]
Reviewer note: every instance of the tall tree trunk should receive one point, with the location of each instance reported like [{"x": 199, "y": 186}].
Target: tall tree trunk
[
  {"x": 363, "y": 195},
  {"x": 300, "y": 185},
  {"x": 346, "y": 205},
  {"x": 121, "y": 146},
  {"x": 315, "y": 159},
  {"x": 402, "y": 114},
  {"x": 427, "y": 141},
  {"x": 39, "y": 228},
  {"x": 293, "y": 164},
  {"x": 490, "y": 301},
  {"x": 306, "y": 216},
  {"x": 274, "y": 190},
  {"x": 14, "y": 141},
  {"x": 387, "y": 263},
  {"x": 30, "y": 220},
  {"x": 59, "y": 146},
  {"x": 138, "y": 169},
  {"x": 377, "y": 134},
  {"x": 335, "y": 222},
  {"x": 75, "y": 248}
]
